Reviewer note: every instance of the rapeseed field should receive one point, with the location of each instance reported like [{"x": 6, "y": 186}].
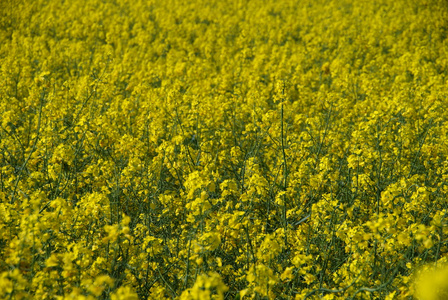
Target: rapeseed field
[{"x": 223, "y": 149}]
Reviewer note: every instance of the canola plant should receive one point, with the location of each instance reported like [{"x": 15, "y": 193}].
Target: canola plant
[{"x": 236, "y": 149}]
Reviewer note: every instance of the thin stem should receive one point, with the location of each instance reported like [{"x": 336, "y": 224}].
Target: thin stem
[
  {"x": 285, "y": 166},
  {"x": 16, "y": 183}
]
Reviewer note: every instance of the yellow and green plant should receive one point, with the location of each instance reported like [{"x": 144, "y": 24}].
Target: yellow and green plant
[{"x": 229, "y": 149}]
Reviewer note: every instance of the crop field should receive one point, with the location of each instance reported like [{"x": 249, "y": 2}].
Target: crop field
[{"x": 224, "y": 149}]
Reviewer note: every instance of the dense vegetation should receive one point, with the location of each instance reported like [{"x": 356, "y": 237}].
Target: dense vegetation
[{"x": 215, "y": 149}]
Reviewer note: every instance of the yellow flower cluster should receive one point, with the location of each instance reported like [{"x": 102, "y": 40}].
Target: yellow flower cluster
[{"x": 223, "y": 149}]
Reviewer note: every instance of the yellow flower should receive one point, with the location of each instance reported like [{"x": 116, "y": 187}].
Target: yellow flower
[
  {"x": 287, "y": 274},
  {"x": 52, "y": 261},
  {"x": 124, "y": 293},
  {"x": 432, "y": 283}
]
